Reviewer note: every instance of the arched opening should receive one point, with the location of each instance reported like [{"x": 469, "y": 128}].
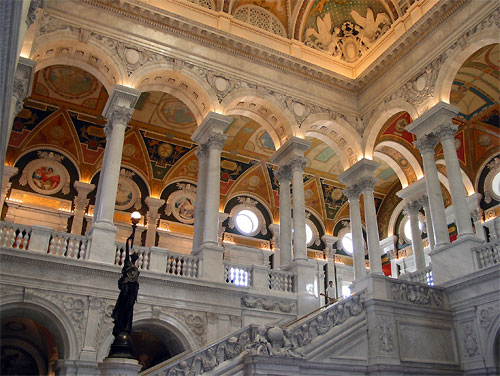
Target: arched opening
[
  {"x": 27, "y": 347},
  {"x": 154, "y": 344}
]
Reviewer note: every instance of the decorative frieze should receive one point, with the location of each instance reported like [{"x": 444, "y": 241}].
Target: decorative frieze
[
  {"x": 268, "y": 304},
  {"x": 414, "y": 293}
]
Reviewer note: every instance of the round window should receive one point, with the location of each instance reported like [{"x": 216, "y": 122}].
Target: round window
[
  {"x": 407, "y": 228},
  {"x": 247, "y": 222},
  {"x": 309, "y": 235},
  {"x": 495, "y": 184},
  {"x": 347, "y": 243}
]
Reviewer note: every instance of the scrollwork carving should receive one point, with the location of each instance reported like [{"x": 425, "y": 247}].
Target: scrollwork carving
[{"x": 414, "y": 293}]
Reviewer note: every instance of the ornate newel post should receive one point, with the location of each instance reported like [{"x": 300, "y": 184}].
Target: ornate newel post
[
  {"x": 290, "y": 160},
  {"x": 8, "y": 172},
  {"x": 210, "y": 136},
  {"x": 449, "y": 261},
  {"x": 81, "y": 202},
  {"x": 118, "y": 111},
  {"x": 358, "y": 244},
  {"x": 152, "y": 217},
  {"x": 284, "y": 175}
]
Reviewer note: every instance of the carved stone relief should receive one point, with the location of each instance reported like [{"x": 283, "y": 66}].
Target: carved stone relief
[
  {"x": 385, "y": 333},
  {"x": 470, "y": 340},
  {"x": 268, "y": 304},
  {"x": 416, "y": 294}
]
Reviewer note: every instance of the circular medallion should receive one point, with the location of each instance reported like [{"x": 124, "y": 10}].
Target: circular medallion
[
  {"x": 484, "y": 140},
  {"x": 420, "y": 83},
  {"x": 220, "y": 83},
  {"x": 308, "y": 194},
  {"x": 46, "y": 176},
  {"x": 253, "y": 181},
  {"x": 193, "y": 166},
  {"x": 165, "y": 150},
  {"x": 181, "y": 205},
  {"x": 298, "y": 108},
  {"x": 57, "y": 132},
  {"x": 132, "y": 56},
  {"x": 128, "y": 150},
  {"x": 127, "y": 193}
]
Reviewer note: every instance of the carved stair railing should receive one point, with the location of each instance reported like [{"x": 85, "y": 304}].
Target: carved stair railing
[
  {"x": 270, "y": 340},
  {"x": 487, "y": 254}
]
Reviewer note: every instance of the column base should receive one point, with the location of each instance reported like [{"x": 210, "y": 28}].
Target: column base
[
  {"x": 76, "y": 367},
  {"x": 454, "y": 260},
  {"x": 306, "y": 286},
  {"x": 119, "y": 367},
  {"x": 211, "y": 255},
  {"x": 102, "y": 242}
]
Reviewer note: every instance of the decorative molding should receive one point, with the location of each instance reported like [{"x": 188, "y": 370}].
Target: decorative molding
[
  {"x": 415, "y": 293},
  {"x": 268, "y": 304},
  {"x": 489, "y": 193}
]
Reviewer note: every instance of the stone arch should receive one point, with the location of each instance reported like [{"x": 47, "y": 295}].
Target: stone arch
[
  {"x": 93, "y": 57},
  {"x": 394, "y": 217},
  {"x": 457, "y": 58},
  {"x": 337, "y": 130},
  {"x": 262, "y": 108},
  {"x": 491, "y": 357},
  {"x": 182, "y": 84},
  {"x": 412, "y": 160},
  {"x": 253, "y": 197},
  {"x": 49, "y": 315},
  {"x": 164, "y": 322},
  {"x": 138, "y": 173},
  {"x": 394, "y": 165},
  {"x": 380, "y": 117}
]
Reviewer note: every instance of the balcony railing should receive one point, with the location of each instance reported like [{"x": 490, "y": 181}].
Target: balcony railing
[
  {"x": 144, "y": 255},
  {"x": 238, "y": 275},
  {"x": 14, "y": 236},
  {"x": 422, "y": 276},
  {"x": 281, "y": 281},
  {"x": 487, "y": 254},
  {"x": 68, "y": 245},
  {"x": 182, "y": 265}
]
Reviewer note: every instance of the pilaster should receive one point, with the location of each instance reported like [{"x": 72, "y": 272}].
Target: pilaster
[
  {"x": 152, "y": 218},
  {"x": 81, "y": 202}
]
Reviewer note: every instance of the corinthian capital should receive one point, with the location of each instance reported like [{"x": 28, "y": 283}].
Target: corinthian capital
[
  {"x": 448, "y": 131},
  {"x": 352, "y": 192},
  {"x": 412, "y": 207},
  {"x": 367, "y": 184},
  {"x": 216, "y": 141},
  {"x": 284, "y": 174},
  {"x": 120, "y": 115},
  {"x": 427, "y": 143},
  {"x": 201, "y": 152},
  {"x": 298, "y": 163}
]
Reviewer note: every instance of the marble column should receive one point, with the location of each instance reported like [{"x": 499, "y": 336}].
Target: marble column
[
  {"x": 8, "y": 173},
  {"x": 358, "y": 253},
  {"x": 152, "y": 217},
  {"x": 118, "y": 111},
  {"x": 210, "y": 136},
  {"x": 330, "y": 250},
  {"x": 199, "y": 211},
  {"x": 428, "y": 223},
  {"x": 299, "y": 208},
  {"x": 81, "y": 202},
  {"x": 454, "y": 172},
  {"x": 275, "y": 245},
  {"x": 412, "y": 208},
  {"x": 23, "y": 82},
  {"x": 284, "y": 176},
  {"x": 373, "y": 240},
  {"x": 426, "y": 146}
]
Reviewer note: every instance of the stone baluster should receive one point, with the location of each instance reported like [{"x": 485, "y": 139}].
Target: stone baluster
[
  {"x": 358, "y": 253},
  {"x": 81, "y": 202},
  {"x": 426, "y": 146},
  {"x": 299, "y": 208},
  {"x": 8, "y": 173},
  {"x": 210, "y": 135},
  {"x": 412, "y": 208},
  {"x": 373, "y": 240},
  {"x": 284, "y": 176},
  {"x": 118, "y": 111},
  {"x": 454, "y": 172},
  {"x": 152, "y": 217}
]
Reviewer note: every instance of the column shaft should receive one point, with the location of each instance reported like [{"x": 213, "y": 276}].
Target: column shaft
[
  {"x": 201, "y": 192},
  {"x": 457, "y": 188},
  {"x": 299, "y": 210},
  {"x": 284, "y": 176},
  {"x": 428, "y": 224},
  {"x": 215, "y": 144},
  {"x": 372, "y": 227},
  {"x": 416, "y": 237},
  {"x": 436, "y": 205},
  {"x": 358, "y": 253}
]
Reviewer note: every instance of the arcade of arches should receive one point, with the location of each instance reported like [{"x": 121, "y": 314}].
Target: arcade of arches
[{"x": 270, "y": 147}]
